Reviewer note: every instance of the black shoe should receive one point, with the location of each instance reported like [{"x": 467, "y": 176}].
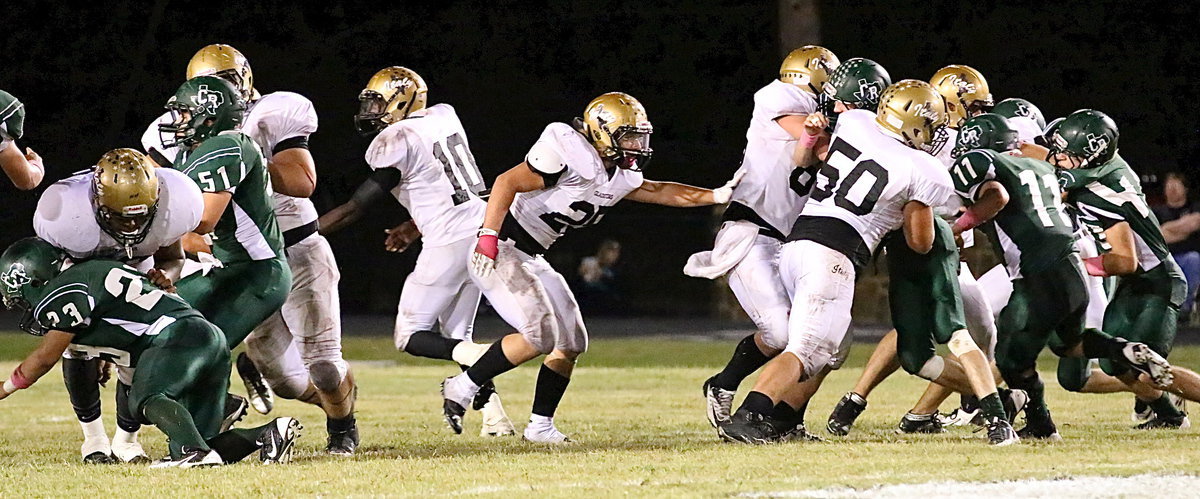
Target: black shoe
[
  {"x": 718, "y": 402},
  {"x": 1040, "y": 430},
  {"x": 1000, "y": 433},
  {"x": 1141, "y": 411},
  {"x": 261, "y": 398},
  {"x": 799, "y": 433},
  {"x": 483, "y": 395},
  {"x": 844, "y": 414},
  {"x": 452, "y": 410},
  {"x": 912, "y": 423},
  {"x": 99, "y": 458},
  {"x": 343, "y": 443},
  {"x": 277, "y": 441},
  {"x": 1014, "y": 402},
  {"x": 750, "y": 428},
  {"x": 235, "y": 410},
  {"x": 1166, "y": 423}
]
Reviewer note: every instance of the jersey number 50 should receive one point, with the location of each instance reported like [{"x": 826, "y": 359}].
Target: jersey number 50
[{"x": 851, "y": 194}]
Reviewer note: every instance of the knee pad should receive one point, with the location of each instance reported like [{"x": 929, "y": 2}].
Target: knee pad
[
  {"x": 932, "y": 369},
  {"x": 961, "y": 343},
  {"x": 326, "y": 375},
  {"x": 914, "y": 364},
  {"x": 774, "y": 333}
]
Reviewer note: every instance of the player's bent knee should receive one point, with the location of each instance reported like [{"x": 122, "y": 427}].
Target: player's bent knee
[
  {"x": 774, "y": 337},
  {"x": 290, "y": 388},
  {"x": 961, "y": 343},
  {"x": 1074, "y": 380},
  {"x": 326, "y": 375}
]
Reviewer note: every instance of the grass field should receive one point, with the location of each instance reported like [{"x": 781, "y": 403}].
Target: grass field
[{"x": 635, "y": 410}]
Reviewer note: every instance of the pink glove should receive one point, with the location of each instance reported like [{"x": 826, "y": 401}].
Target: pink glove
[
  {"x": 1095, "y": 266},
  {"x": 488, "y": 246},
  {"x": 967, "y": 221},
  {"x": 486, "y": 249}
]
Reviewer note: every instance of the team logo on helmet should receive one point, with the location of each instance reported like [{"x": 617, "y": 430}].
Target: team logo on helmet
[
  {"x": 1022, "y": 110},
  {"x": 868, "y": 91},
  {"x": 964, "y": 86},
  {"x": 970, "y": 135},
  {"x": 15, "y": 277},
  {"x": 208, "y": 99},
  {"x": 1096, "y": 144}
]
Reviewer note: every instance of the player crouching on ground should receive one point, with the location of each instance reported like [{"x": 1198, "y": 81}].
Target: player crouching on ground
[{"x": 109, "y": 310}]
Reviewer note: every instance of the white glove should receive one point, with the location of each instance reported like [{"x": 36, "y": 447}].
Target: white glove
[{"x": 722, "y": 194}]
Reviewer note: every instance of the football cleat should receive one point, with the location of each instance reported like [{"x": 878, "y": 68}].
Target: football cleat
[
  {"x": 99, "y": 458},
  {"x": 126, "y": 447},
  {"x": 495, "y": 420},
  {"x": 277, "y": 441},
  {"x": 96, "y": 449},
  {"x": 235, "y": 410},
  {"x": 1141, "y": 411},
  {"x": 962, "y": 417},
  {"x": 799, "y": 433},
  {"x": 749, "y": 428},
  {"x": 719, "y": 402},
  {"x": 919, "y": 423},
  {"x": 482, "y": 396},
  {"x": 1141, "y": 358},
  {"x": 1000, "y": 433},
  {"x": 1166, "y": 423},
  {"x": 261, "y": 398},
  {"x": 1014, "y": 402},
  {"x": 1040, "y": 430},
  {"x": 844, "y": 414},
  {"x": 455, "y": 398},
  {"x": 544, "y": 432},
  {"x": 343, "y": 443},
  {"x": 191, "y": 458}
]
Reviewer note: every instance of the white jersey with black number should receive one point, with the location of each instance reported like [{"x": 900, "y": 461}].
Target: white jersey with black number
[
  {"x": 66, "y": 217},
  {"x": 440, "y": 183},
  {"x": 767, "y": 162},
  {"x": 579, "y": 188},
  {"x": 271, "y": 120},
  {"x": 869, "y": 176}
]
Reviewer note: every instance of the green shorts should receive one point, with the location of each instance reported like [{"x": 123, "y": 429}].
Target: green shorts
[
  {"x": 1144, "y": 308},
  {"x": 1046, "y": 308},
  {"x": 187, "y": 362},
  {"x": 926, "y": 305},
  {"x": 239, "y": 296}
]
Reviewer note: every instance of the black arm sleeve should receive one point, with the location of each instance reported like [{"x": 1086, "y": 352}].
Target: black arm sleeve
[{"x": 376, "y": 187}]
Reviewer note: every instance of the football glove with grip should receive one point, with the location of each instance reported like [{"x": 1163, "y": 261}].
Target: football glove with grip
[{"x": 483, "y": 261}]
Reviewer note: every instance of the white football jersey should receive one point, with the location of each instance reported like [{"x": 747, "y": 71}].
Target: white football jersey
[
  {"x": 944, "y": 155},
  {"x": 66, "y": 218},
  {"x": 1026, "y": 128},
  {"x": 869, "y": 176},
  {"x": 440, "y": 183},
  {"x": 767, "y": 162},
  {"x": 583, "y": 191},
  {"x": 271, "y": 119}
]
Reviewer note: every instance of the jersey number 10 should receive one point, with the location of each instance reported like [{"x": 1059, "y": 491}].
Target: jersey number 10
[{"x": 460, "y": 168}]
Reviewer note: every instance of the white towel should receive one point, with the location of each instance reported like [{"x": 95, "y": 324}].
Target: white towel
[
  {"x": 733, "y": 242},
  {"x": 205, "y": 265}
]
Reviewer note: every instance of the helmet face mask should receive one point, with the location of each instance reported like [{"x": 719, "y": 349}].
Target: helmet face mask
[
  {"x": 616, "y": 125},
  {"x": 633, "y": 147},
  {"x": 202, "y": 107}
]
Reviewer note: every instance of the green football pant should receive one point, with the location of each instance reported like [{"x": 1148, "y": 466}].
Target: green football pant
[
  {"x": 189, "y": 363},
  {"x": 239, "y": 296},
  {"x": 1045, "y": 308},
  {"x": 923, "y": 292},
  {"x": 1145, "y": 308}
]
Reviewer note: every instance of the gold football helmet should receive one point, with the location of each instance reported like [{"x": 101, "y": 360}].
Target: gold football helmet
[
  {"x": 914, "y": 112},
  {"x": 125, "y": 194},
  {"x": 965, "y": 90},
  {"x": 617, "y": 126},
  {"x": 390, "y": 96},
  {"x": 225, "y": 62},
  {"x": 808, "y": 67}
]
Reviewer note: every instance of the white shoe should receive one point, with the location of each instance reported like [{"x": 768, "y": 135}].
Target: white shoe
[
  {"x": 541, "y": 430},
  {"x": 276, "y": 442},
  {"x": 495, "y": 420},
  {"x": 191, "y": 459},
  {"x": 125, "y": 446},
  {"x": 96, "y": 448}
]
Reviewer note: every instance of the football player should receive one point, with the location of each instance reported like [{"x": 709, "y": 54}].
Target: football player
[
  {"x": 421, "y": 157},
  {"x": 299, "y": 348},
  {"x": 1146, "y": 301},
  {"x": 1023, "y": 116},
  {"x": 771, "y": 183},
  {"x": 103, "y": 308},
  {"x": 763, "y": 205},
  {"x": 1022, "y": 197},
  {"x": 571, "y": 176},
  {"x": 126, "y": 210},
  {"x": 24, "y": 170},
  {"x": 876, "y": 178}
]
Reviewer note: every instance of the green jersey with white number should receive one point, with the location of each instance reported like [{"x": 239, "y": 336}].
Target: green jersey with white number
[
  {"x": 231, "y": 162},
  {"x": 114, "y": 311},
  {"x": 1110, "y": 194},
  {"x": 1033, "y": 230}
]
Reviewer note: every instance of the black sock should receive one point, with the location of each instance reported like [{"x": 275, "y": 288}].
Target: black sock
[
  {"x": 746, "y": 359},
  {"x": 82, "y": 378},
  {"x": 992, "y": 407},
  {"x": 1164, "y": 408},
  {"x": 786, "y": 414},
  {"x": 758, "y": 403},
  {"x": 340, "y": 425},
  {"x": 234, "y": 445},
  {"x": 1099, "y": 345},
  {"x": 491, "y": 364},
  {"x": 125, "y": 419},
  {"x": 430, "y": 344},
  {"x": 549, "y": 392},
  {"x": 968, "y": 402}
]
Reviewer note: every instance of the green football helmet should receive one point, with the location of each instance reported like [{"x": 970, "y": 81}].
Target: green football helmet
[
  {"x": 1044, "y": 139},
  {"x": 1087, "y": 135},
  {"x": 1016, "y": 106},
  {"x": 857, "y": 81},
  {"x": 985, "y": 131},
  {"x": 25, "y": 267},
  {"x": 202, "y": 107},
  {"x": 12, "y": 116}
]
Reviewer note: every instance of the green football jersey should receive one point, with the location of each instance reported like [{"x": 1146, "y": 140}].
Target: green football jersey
[
  {"x": 1110, "y": 194},
  {"x": 1033, "y": 230},
  {"x": 231, "y": 162},
  {"x": 114, "y": 311},
  {"x": 12, "y": 118}
]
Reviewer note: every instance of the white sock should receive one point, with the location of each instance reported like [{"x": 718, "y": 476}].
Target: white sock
[
  {"x": 467, "y": 353},
  {"x": 124, "y": 437},
  {"x": 94, "y": 429},
  {"x": 541, "y": 421}
]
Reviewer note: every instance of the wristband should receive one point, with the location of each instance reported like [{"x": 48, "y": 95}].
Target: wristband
[
  {"x": 967, "y": 221},
  {"x": 16, "y": 382},
  {"x": 808, "y": 141},
  {"x": 484, "y": 231},
  {"x": 1095, "y": 266}
]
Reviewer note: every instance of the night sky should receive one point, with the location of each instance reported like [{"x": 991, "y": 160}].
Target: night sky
[{"x": 92, "y": 78}]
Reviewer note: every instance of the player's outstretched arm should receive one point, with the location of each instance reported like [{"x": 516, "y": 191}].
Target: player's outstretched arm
[
  {"x": 370, "y": 192},
  {"x": 683, "y": 195},
  {"x": 38, "y": 363},
  {"x": 918, "y": 226},
  {"x": 293, "y": 172},
  {"x": 25, "y": 170}
]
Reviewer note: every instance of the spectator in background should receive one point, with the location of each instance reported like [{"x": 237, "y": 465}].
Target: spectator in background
[
  {"x": 597, "y": 286},
  {"x": 1179, "y": 217}
]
